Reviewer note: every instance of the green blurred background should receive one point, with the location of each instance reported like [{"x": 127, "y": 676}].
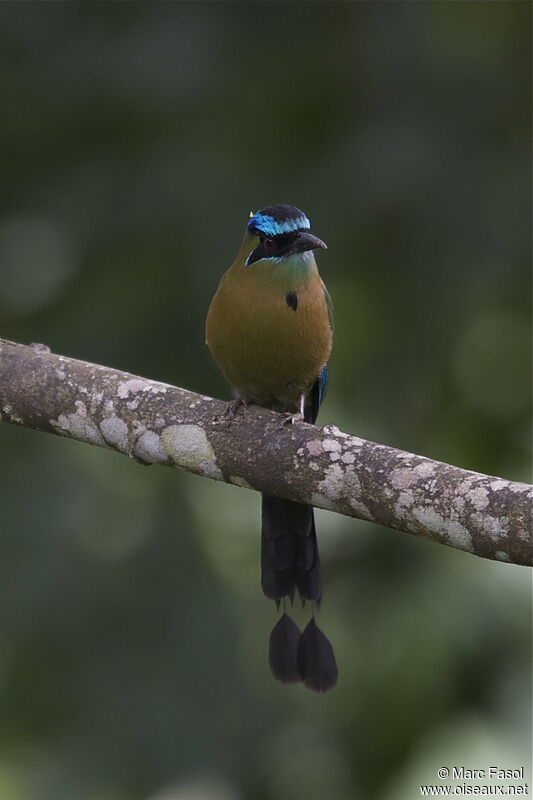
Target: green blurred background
[{"x": 134, "y": 140}]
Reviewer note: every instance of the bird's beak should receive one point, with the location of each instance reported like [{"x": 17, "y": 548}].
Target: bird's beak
[{"x": 306, "y": 241}]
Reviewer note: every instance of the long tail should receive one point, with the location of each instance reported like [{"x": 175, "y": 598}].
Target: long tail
[{"x": 289, "y": 563}]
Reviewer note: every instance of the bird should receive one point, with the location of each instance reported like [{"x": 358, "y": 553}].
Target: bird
[{"x": 269, "y": 328}]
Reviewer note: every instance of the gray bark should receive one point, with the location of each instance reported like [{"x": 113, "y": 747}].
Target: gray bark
[{"x": 156, "y": 423}]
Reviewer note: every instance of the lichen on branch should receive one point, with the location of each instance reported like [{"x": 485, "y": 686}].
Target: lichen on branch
[{"x": 155, "y": 423}]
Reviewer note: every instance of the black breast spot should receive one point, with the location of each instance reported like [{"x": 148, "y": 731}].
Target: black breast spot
[{"x": 292, "y": 300}]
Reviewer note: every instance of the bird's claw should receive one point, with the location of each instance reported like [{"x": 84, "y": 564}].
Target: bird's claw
[
  {"x": 291, "y": 419},
  {"x": 234, "y": 406},
  {"x": 232, "y": 409}
]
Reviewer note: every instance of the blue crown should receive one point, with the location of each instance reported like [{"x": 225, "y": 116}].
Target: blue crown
[{"x": 279, "y": 219}]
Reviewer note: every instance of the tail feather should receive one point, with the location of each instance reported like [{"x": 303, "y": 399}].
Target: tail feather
[
  {"x": 278, "y": 584},
  {"x": 288, "y": 549},
  {"x": 308, "y": 584},
  {"x": 289, "y": 562},
  {"x": 316, "y": 660},
  {"x": 307, "y": 567},
  {"x": 278, "y": 553},
  {"x": 306, "y": 549},
  {"x": 283, "y": 650},
  {"x": 280, "y": 517}
]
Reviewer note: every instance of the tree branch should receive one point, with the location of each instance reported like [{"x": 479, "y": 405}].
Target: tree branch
[{"x": 156, "y": 423}]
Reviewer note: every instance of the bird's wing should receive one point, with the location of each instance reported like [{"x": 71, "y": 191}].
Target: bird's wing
[
  {"x": 329, "y": 306},
  {"x": 318, "y": 389},
  {"x": 316, "y": 396}
]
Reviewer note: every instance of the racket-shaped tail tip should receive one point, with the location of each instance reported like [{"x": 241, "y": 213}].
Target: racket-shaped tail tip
[
  {"x": 316, "y": 660},
  {"x": 283, "y": 650}
]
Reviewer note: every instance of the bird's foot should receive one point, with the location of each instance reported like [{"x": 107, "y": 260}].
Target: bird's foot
[
  {"x": 291, "y": 419},
  {"x": 232, "y": 409}
]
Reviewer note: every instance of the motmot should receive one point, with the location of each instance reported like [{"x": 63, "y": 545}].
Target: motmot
[{"x": 270, "y": 330}]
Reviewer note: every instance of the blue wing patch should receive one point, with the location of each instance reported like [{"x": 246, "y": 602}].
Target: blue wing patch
[
  {"x": 316, "y": 396},
  {"x": 322, "y": 384}
]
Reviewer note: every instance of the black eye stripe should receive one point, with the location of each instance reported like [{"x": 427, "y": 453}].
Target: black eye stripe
[
  {"x": 282, "y": 240},
  {"x": 278, "y": 247}
]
